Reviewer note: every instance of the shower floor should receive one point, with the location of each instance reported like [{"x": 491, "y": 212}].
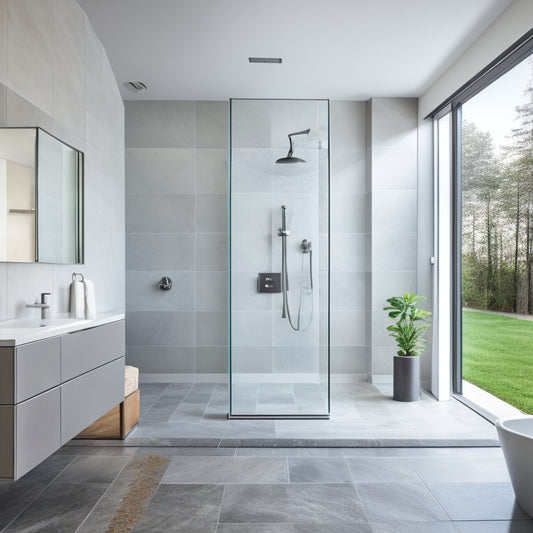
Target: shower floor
[{"x": 362, "y": 414}]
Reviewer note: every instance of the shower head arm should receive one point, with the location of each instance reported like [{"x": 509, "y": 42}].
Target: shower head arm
[{"x": 303, "y": 132}]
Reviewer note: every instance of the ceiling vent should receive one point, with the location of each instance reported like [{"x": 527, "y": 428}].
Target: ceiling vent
[
  {"x": 135, "y": 86},
  {"x": 264, "y": 59}
]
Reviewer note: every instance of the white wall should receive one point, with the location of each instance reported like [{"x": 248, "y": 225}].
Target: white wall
[
  {"x": 508, "y": 28},
  {"x": 55, "y": 74}
]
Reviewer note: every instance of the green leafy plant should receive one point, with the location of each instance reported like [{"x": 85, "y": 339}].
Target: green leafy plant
[{"x": 410, "y": 323}]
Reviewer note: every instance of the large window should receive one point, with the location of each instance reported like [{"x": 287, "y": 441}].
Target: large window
[
  {"x": 497, "y": 238},
  {"x": 491, "y": 250}
]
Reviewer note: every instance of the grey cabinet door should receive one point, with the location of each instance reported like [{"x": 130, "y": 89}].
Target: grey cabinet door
[
  {"x": 84, "y": 350},
  {"x": 7, "y": 441},
  {"x": 37, "y": 368},
  {"x": 89, "y": 396},
  {"x": 7, "y": 375},
  {"x": 37, "y": 429}
]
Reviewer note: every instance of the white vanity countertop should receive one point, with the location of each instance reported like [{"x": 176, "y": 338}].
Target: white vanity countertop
[{"x": 24, "y": 330}]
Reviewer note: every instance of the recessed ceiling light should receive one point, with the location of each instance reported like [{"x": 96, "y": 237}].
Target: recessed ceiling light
[
  {"x": 264, "y": 59},
  {"x": 135, "y": 86}
]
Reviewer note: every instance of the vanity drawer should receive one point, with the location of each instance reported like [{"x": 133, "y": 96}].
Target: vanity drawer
[
  {"x": 84, "y": 350},
  {"x": 88, "y": 397},
  {"x": 38, "y": 368},
  {"x": 28, "y": 370},
  {"x": 37, "y": 423}
]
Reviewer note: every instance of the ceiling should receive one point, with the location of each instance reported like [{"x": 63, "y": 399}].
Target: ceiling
[{"x": 338, "y": 49}]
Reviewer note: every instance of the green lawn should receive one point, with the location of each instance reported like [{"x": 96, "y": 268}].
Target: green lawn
[{"x": 498, "y": 356}]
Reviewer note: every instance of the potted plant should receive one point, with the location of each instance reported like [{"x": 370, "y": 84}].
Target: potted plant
[{"x": 408, "y": 332}]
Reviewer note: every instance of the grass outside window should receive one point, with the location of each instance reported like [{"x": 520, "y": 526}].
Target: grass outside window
[{"x": 498, "y": 356}]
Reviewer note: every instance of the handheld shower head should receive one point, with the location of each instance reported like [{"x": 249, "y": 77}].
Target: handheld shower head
[{"x": 290, "y": 158}]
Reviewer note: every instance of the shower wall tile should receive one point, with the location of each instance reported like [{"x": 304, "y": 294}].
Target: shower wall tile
[
  {"x": 3, "y": 42},
  {"x": 160, "y": 213},
  {"x": 176, "y": 213},
  {"x": 348, "y": 120},
  {"x": 163, "y": 359},
  {"x": 211, "y": 252},
  {"x": 3, "y": 104},
  {"x": 159, "y": 251},
  {"x": 160, "y": 124},
  {"x": 257, "y": 360},
  {"x": 348, "y": 169},
  {"x": 170, "y": 170},
  {"x": 212, "y": 213},
  {"x": 348, "y": 359},
  {"x": 211, "y": 291},
  {"x": 160, "y": 328},
  {"x": 395, "y": 210},
  {"x": 212, "y": 171},
  {"x": 212, "y": 124},
  {"x": 349, "y": 213},
  {"x": 212, "y": 359},
  {"x": 144, "y": 294},
  {"x": 212, "y": 328}
]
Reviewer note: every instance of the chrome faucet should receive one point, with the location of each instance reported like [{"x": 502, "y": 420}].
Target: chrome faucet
[{"x": 44, "y": 305}]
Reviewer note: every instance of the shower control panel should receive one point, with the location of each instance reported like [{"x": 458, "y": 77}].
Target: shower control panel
[{"x": 269, "y": 282}]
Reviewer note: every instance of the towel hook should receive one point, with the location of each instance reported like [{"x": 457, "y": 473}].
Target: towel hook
[{"x": 75, "y": 275}]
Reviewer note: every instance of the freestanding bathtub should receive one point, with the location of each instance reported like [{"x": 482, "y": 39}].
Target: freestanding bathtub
[{"x": 516, "y": 439}]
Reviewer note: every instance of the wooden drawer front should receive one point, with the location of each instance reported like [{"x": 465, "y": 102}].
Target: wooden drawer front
[
  {"x": 88, "y": 397},
  {"x": 37, "y": 368},
  {"x": 84, "y": 350},
  {"x": 7, "y": 380},
  {"x": 37, "y": 423}
]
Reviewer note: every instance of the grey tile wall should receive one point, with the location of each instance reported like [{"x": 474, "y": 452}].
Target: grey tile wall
[
  {"x": 393, "y": 231},
  {"x": 49, "y": 59},
  {"x": 176, "y": 160},
  {"x": 176, "y": 226}
]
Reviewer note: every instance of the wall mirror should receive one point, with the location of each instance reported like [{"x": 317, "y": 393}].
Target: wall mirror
[{"x": 41, "y": 198}]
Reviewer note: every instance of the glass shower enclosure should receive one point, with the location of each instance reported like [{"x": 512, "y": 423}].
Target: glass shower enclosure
[{"x": 279, "y": 259}]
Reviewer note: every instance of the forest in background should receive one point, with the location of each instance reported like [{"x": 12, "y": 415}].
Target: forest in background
[{"x": 497, "y": 215}]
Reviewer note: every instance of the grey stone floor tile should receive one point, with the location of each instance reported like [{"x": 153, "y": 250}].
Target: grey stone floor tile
[
  {"x": 172, "y": 451},
  {"x": 93, "y": 469},
  {"x": 445, "y": 469},
  {"x": 318, "y": 470},
  {"x": 408, "y": 502},
  {"x": 478, "y": 501},
  {"x": 289, "y": 452},
  {"x": 499, "y": 526},
  {"x": 60, "y": 508},
  {"x": 182, "y": 509},
  {"x": 14, "y": 499},
  {"x": 93, "y": 450},
  {"x": 379, "y": 470},
  {"x": 294, "y": 503},
  {"x": 414, "y": 527},
  {"x": 204, "y": 470},
  {"x": 355, "y": 527}
]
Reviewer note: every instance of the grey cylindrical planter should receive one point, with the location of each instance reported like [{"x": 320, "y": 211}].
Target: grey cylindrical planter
[{"x": 406, "y": 378}]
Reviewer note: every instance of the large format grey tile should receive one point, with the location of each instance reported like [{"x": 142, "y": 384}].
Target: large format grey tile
[
  {"x": 292, "y": 503},
  {"x": 355, "y": 527},
  {"x": 182, "y": 508},
  {"x": 160, "y": 328},
  {"x": 499, "y": 526},
  {"x": 399, "y": 501},
  {"x": 160, "y": 170},
  {"x": 226, "y": 470},
  {"x": 93, "y": 469},
  {"x": 478, "y": 501},
  {"x": 414, "y": 527},
  {"x": 60, "y": 508},
  {"x": 162, "y": 359},
  {"x": 211, "y": 171},
  {"x": 318, "y": 470},
  {"x": 157, "y": 251},
  {"x": 379, "y": 470}
]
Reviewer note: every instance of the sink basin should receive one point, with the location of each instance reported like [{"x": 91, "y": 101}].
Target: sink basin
[{"x": 31, "y": 323}]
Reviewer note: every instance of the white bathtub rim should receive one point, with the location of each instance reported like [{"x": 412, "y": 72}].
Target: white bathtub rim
[{"x": 500, "y": 424}]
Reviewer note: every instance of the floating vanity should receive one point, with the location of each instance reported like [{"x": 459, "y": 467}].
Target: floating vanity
[{"x": 57, "y": 377}]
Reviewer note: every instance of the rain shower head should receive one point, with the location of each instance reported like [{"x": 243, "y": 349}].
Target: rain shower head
[{"x": 290, "y": 158}]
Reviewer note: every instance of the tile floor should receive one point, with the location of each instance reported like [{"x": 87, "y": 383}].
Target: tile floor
[
  {"x": 361, "y": 414},
  {"x": 271, "y": 490},
  {"x": 376, "y": 466}
]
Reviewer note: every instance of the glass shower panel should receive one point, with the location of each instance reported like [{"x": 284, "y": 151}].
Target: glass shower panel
[{"x": 279, "y": 258}]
